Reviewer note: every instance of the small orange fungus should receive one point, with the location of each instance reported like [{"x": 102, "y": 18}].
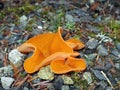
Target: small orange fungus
[{"x": 50, "y": 48}]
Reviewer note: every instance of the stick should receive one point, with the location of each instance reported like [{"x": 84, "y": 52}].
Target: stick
[{"x": 107, "y": 79}]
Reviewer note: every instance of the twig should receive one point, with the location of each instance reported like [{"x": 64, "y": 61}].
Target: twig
[
  {"x": 41, "y": 83},
  {"x": 97, "y": 58},
  {"x": 5, "y": 59},
  {"x": 16, "y": 71},
  {"x": 21, "y": 82},
  {"x": 107, "y": 79},
  {"x": 32, "y": 78}
]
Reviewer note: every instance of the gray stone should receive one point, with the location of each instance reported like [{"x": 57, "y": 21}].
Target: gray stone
[
  {"x": 46, "y": 73},
  {"x": 92, "y": 43},
  {"x": 25, "y": 88},
  {"x": 109, "y": 88},
  {"x": 115, "y": 52},
  {"x": 6, "y": 82},
  {"x": 93, "y": 29},
  {"x": 67, "y": 79},
  {"x": 88, "y": 78},
  {"x": 92, "y": 56},
  {"x": 98, "y": 74},
  {"x": 102, "y": 51},
  {"x": 50, "y": 86},
  {"x": 23, "y": 21},
  {"x": 58, "y": 82},
  {"x": 65, "y": 87},
  {"x": 102, "y": 84},
  {"x": 5, "y": 70},
  {"x": 69, "y": 18},
  {"x": 16, "y": 57},
  {"x": 117, "y": 66},
  {"x": 118, "y": 46},
  {"x": 1, "y": 36}
]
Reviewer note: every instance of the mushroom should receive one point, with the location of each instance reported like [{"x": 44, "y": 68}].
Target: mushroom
[
  {"x": 50, "y": 48},
  {"x": 65, "y": 65}
]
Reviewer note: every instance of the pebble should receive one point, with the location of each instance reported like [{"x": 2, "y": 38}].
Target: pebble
[
  {"x": 102, "y": 51},
  {"x": 25, "y": 88},
  {"x": 93, "y": 29},
  {"x": 16, "y": 57},
  {"x": 67, "y": 79},
  {"x": 118, "y": 46},
  {"x": 92, "y": 56},
  {"x": 98, "y": 74},
  {"x": 92, "y": 43},
  {"x": 115, "y": 52},
  {"x": 102, "y": 85},
  {"x": 40, "y": 27},
  {"x": 108, "y": 65},
  {"x": 65, "y": 87},
  {"x": 5, "y": 70},
  {"x": 6, "y": 82},
  {"x": 58, "y": 83},
  {"x": 1, "y": 36},
  {"x": 69, "y": 18},
  {"x": 46, "y": 73},
  {"x": 23, "y": 21},
  {"x": 108, "y": 88},
  {"x": 14, "y": 38},
  {"x": 117, "y": 66},
  {"x": 87, "y": 76},
  {"x": 50, "y": 86}
]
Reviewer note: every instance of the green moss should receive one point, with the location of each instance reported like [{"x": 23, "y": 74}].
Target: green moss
[
  {"x": 70, "y": 25},
  {"x": 79, "y": 82},
  {"x": 25, "y": 9}
]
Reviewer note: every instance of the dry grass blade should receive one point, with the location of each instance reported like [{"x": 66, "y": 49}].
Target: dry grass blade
[
  {"x": 22, "y": 81},
  {"x": 16, "y": 71},
  {"x": 107, "y": 79},
  {"x": 5, "y": 59}
]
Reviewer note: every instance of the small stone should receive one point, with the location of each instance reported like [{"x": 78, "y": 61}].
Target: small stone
[
  {"x": 25, "y": 88},
  {"x": 46, "y": 73},
  {"x": 118, "y": 46},
  {"x": 23, "y": 21},
  {"x": 50, "y": 86},
  {"x": 69, "y": 18},
  {"x": 92, "y": 43},
  {"x": 58, "y": 83},
  {"x": 87, "y": 76},
  {"x": 92, "y": 28},
  {"x": 108, "y": 88},
  {"x": 16, "y": 57},
  {"x": 6, "y": 82},
  {"x": 108, "y": 65},
  {"x": 67, "y": 80},
  {"x": 65, "y": 87},
  {"x": 5, "y": 70},
  {"x": 1, "y": 36},
  {"x": 102, "y": 51},
  {"x": 102, "y": 85},
  {"x": 115, "y": 52},
  {"x": 117, "y": 66},
  {"x": 92, "y": 56},
  {"x": 98, "y": 74},
  {"x": 40, "y": 27}
]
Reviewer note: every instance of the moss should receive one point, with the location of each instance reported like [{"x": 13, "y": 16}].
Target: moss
[
  {"x": 70, "y": 25},
  {"x": 78, "y": 81}
]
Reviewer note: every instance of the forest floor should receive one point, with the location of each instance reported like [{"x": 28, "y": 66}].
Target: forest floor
[{"x": 94, "y": 22}]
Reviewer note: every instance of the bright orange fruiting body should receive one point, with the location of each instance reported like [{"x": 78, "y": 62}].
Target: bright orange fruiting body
[{"x": 50, "y": 48}]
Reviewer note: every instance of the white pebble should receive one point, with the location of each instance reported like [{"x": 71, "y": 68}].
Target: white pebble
[
  {"x": 40, "y": 27},
  {"x": 16, "y": 57},
  {"x": 6, "y": 82}
]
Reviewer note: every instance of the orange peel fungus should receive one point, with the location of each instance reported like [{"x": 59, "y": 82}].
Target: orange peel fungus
[{"x": 50, "y": 48}]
